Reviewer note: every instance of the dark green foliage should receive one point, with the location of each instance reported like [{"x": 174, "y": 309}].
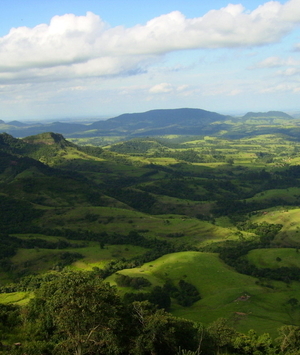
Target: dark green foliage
[
  {"x": 77, "y": 310},
  {"x": 10, "y": 144},
  {"x": 16, "y": 215},
  {"x": 68, "y": 258},
  {"x": 293, "y": 302},
  {"x": 139, "y": 200},
  {"x": 91, "y": 150},
  {"x": 160, "y": 333},
  {"x": 79, "y": 313},
  {"x": 135, "y": 146},
  {"x": 264, "y": 230},
  {"x": 174, "y": 235},
  {"x": 157, "y": 296},
  {"x": 188, "y": 294},
  {"x": 175, "y": 188},
  {"x": 9, "y": 316},
  {"x": 251, "y": 343},
  {"x": 185, "y": 294},
  {"x": 8, "y": 246},
  {"x": 222, "y": 334},
  {"x": 134, "y": 282},
  {"x": 289, "y": 339}
]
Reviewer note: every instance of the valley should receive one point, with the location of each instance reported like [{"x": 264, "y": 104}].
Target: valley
[{"x": 207, "y": 223}]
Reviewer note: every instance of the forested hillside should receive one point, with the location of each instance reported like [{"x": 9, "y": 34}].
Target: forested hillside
[{"x": 173, "y": 244}]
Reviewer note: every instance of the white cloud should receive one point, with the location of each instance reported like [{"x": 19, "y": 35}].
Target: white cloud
[
  {"x": 182, "y": 88},
  {"x": 161, "y": 88},
  {"x": 85, "y": 46},
  {"x": 289, "y": 72},
  {"x": 273, "y": 62},
  {"x": 169, "y": 88},
  {"x": 270, "y": 62},
  {"x": 281, "y": 88}
]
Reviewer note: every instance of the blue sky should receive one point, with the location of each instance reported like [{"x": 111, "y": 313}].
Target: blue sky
[{"x": 101, "y": 58}]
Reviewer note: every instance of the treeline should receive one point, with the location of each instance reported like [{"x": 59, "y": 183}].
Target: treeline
[
  {"x": 140, "y": 200},
  {"x": 135, "y": 146},
  {"x": 234, "y": 253},
  {"x": 233, "y": 208},
  {"x": 134, "y": 282},
  {"x": 184, "y": 293},
  {"x": 78, "y": 313},
  {"x": 175, "y": 188},
  {"x": 10, "y": 244},
  {"x": 191, "y": 155},
  {"x": 156, "y": 248}
]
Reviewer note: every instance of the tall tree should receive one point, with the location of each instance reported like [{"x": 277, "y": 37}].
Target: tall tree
[{"x": 82, "y": 312}]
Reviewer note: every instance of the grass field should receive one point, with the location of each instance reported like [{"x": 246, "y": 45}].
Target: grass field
[
  {"x": 42, "y": 260},
  {"x": 221, "y": 288},
  {"x": 118, "y": 220},
  {"x": 19, "y": 298},
  {"x": 289, "y": 217},
  {"x": 274, "y": 258}
]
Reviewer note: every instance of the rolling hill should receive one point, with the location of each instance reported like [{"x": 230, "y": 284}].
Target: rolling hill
[
  {"x": 182, "y": 121},
  {"x": 154, "y": 122},
  {"x": 269, "y": 114}
]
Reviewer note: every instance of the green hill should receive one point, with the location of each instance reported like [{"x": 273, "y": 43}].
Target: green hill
[
  {"x": 269, "y": 114},
  {"x": 205, "y": 214}
]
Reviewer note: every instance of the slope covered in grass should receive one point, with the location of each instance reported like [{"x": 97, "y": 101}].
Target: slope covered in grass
[
  {"x": 225, "y": 293},
  {"x": 275, "y": 258}
]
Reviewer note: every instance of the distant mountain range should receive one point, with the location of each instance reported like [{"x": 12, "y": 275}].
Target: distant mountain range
[{"x": 184, "y": 121}]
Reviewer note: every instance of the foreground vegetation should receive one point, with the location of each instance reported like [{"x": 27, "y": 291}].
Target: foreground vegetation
[
  {"x": 148, "y": 237},
  {"x": 77, "y": 313}
]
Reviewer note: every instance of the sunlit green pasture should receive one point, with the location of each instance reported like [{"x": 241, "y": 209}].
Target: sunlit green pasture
[
  {"x": 291, "y": 195},
  {"x": 94, "y": 256},
  {"x": 115, "y": 220},
  {"x": 19, "y": 298},
  {"x": 289, "y": 217},
  {"x": 40, "y": 260},
  {"x": 224, "y": 292},
  {"x": 274, "y": 258}
]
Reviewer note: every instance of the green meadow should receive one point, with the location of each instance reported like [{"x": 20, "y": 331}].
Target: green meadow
[
  {"x": 19, "y": 298},
  {"x": 224, "y": 292},
  {"x": 274, "y": 258}
]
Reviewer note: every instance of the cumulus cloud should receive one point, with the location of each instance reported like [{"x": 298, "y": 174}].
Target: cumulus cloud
[{"x": 79, "y": 46}]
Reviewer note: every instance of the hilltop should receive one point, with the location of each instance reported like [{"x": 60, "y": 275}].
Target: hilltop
[
  {"x": 51, "y": 148},
  {"x": 182, "y": 121},
  {"x": 156, "y": 122},
  {"x": 269, "y": 114}
]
